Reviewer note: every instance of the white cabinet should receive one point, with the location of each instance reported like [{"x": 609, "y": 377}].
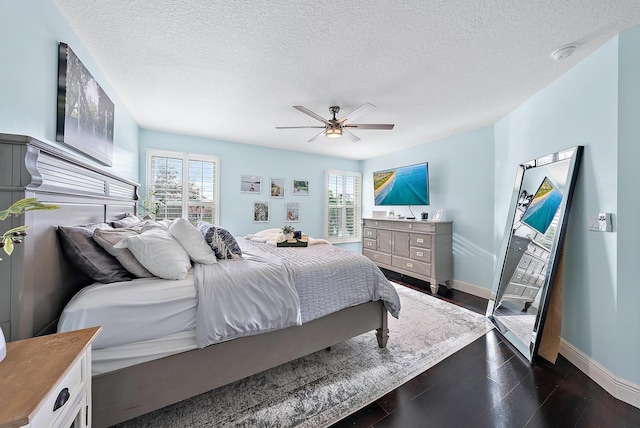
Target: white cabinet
[
  {"x": 416, "y": 248},
  {"x": 45, "y": 382}
]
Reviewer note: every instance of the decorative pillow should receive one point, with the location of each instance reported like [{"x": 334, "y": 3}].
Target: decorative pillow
[
  {"x": 159, "y": 253},
  {"x": 89, "y": 257},
  {"x": 192, "y": 241},
  {"x": 126, "y": 221},
  {"x": 222, "y": 242},
  {"x": 107, "y": 238}
]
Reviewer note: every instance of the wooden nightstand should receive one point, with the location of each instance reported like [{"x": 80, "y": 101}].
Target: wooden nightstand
[{"x": 45, "y": 381}]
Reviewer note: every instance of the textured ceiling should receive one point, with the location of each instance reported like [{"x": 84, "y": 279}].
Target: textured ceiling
[{"x": 232, "y": 70}]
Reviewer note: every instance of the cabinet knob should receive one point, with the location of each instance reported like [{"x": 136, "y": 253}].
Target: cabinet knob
[
  {"x": 63, "y": 396},
  {"x": 410, "y": 265},
  {"x": 419, "y": 253}
]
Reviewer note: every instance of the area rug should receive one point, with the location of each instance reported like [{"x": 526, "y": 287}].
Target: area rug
[{"x": 322, "y": 388}]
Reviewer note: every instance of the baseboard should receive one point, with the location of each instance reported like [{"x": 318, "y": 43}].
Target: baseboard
[
  {"x": 619, "y": 388},
  {"x": 471, "y": 289}
]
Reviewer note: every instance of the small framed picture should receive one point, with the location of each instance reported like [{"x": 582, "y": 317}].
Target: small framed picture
[
  {"x": 251, "y": 184},
  {"x": 292, "y": 212},
  {"x": 437, "y": 215},
  {"x": 261, "y": 212},
  {"x": 277, "y": 187},
  {"x": 300, "y": 187}
]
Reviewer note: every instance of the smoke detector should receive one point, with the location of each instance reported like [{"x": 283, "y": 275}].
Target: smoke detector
[{"x": 564, "y": 52}]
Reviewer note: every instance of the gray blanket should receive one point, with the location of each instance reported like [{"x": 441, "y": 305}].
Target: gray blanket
[{"x": 274, "y": 288}]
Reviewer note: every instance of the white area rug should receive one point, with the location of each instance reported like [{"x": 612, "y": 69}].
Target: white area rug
[{"x": 324, "y": 387}]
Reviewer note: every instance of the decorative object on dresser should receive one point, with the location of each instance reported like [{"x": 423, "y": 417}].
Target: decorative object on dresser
[
  {"x": 420, "y": 249},
  {"x": 46, "y": 381}
]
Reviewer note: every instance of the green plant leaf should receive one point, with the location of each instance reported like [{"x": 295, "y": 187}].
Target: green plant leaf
[{"x": 8, "y": 245}]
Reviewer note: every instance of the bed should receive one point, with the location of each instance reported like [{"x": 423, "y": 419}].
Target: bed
[{"x": 126, "y": 388}]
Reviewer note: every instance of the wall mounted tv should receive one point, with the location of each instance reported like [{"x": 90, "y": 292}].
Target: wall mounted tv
[{"x": 405, "y": 185}]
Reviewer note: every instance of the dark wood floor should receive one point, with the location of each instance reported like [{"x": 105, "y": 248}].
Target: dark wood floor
[{"x": 489, "y": 384}]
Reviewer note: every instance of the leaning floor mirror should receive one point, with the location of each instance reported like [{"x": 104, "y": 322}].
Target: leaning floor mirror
[{"x": 530, "y": 254}]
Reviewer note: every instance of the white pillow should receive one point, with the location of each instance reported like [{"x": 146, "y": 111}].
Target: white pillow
[
  {"x": 159, "y": 253},
  {"x": 192, "y": 241}
]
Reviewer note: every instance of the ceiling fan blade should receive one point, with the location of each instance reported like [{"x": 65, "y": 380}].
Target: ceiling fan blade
[
  {"x": 316, "y": 137},
  {"x": 297, "y": 127},
  {"x": 360, "y": 111},
  {"x": 349, "y": 136},
  {"x": 369, "y": 125},
  {"x": 312, "y": 114}
]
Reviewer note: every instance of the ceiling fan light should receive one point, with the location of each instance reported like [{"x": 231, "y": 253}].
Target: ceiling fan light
[{"x": 333, "y": 133}]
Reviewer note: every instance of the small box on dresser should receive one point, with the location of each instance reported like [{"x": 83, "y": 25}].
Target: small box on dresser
[
  {"x": 420, "y": 249},
  {"x": 45, "y": 381}
]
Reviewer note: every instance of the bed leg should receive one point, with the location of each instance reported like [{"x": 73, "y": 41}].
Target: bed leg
[{"x": 382, "y": 333}]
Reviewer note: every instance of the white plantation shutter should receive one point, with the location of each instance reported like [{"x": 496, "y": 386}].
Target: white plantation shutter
[
  {"x": 185, "y": 185},
  {"x": 343, "y": 213}
]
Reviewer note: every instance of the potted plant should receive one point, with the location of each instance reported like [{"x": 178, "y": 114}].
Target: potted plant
[{"x": 287, "y": 231}]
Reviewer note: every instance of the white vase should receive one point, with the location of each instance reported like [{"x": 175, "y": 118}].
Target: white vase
[
  {"x": 288, "y": 236},
  {"x": 3, "y": 346}
]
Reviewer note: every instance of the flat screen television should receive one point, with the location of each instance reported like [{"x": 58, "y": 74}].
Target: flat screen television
[
  {"x": 405, "y": 185},
  {"x": 543, "y": 207}
]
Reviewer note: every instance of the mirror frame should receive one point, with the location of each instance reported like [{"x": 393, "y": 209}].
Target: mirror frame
[{"x": 574, "y": 154}]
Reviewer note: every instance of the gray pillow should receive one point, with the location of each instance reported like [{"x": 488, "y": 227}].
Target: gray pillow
[
  {"x": 107, "y": 238},
  {"x": 221, "y": 241},
  {"x": 89, "y": 257}
]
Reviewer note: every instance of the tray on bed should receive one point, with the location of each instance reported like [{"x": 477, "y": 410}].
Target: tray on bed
[{"x": 293, "y": 242}]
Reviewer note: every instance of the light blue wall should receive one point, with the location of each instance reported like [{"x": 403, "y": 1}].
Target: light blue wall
[
  {"x": 579, "y": 108},
  {"x": 628, "y": 314},
  {"x": 461, "y": 183},
  {"x": 30, "y": 31},
  {"x": 238, "y": 159}
]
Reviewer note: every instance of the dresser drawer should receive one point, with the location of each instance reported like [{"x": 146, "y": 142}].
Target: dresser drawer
[
  {"x": 378, "y": 257},
  {"x": 421, "y": 254},
  {"x": 413, "y": 226},
  {"x": 420, "y": 268},
  {"x": 367, "y": 232},
  {"x": 380, "y": 224},
  {"x": 369, "y": 243},
  {"x": 514, "y": 290},
  {"x": 73, "y": 383},
  {"x": 422, "y": 241}
]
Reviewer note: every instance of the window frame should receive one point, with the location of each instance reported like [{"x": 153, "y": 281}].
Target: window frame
[
  {"x": 357, "y": 227},
  {"x": 185, "y": 158}
]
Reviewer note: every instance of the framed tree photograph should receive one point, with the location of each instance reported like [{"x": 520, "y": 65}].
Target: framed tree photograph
[
  {"x": 251, "y": 184},
  {"x": 277, "y": 187},
  {"x": 292, "y": 212},
  {"x": 300, "y": 187},
  {"x": 85, "y": 112},
  {"x": 261, "y": 212}
]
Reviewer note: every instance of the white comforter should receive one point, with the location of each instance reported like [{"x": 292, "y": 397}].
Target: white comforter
[{"x": 242, "y": 298}]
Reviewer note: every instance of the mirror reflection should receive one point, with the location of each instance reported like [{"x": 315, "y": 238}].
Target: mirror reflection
[{"x": 528, "y": 261}]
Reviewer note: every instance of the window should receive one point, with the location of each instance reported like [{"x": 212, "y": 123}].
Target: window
[
  {"x": 183, "y": 185},
  {"x": 344, "y": 206}
]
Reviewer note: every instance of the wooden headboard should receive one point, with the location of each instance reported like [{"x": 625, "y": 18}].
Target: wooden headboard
[{"x": 36, "y": 281}]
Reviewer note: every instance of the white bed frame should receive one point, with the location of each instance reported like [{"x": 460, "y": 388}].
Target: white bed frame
[{"x": 42, "y": 281}]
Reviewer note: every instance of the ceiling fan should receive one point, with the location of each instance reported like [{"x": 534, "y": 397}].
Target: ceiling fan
[{"x": 336, "y": 128}]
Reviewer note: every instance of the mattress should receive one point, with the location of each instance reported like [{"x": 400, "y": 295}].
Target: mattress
[{"x": 132, "y": 311}]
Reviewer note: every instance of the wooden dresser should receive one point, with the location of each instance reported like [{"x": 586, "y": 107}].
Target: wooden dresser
[
  {"x": 420, "y": 249},
  {"x": 46, "y": 381}
]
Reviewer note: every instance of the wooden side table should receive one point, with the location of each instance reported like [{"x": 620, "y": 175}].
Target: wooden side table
[{"x": 45, "y": 381}]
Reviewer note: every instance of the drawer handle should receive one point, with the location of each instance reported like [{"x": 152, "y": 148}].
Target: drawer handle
[
  {"x": 375, "y": 256},
  {"x": 420, "y": 240},
  {"x": 62, "y": 399},
  {"x": 410, "y": 265},
  {"x": 369, "y": 243},
  {"x": 419, "y": 253}
]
